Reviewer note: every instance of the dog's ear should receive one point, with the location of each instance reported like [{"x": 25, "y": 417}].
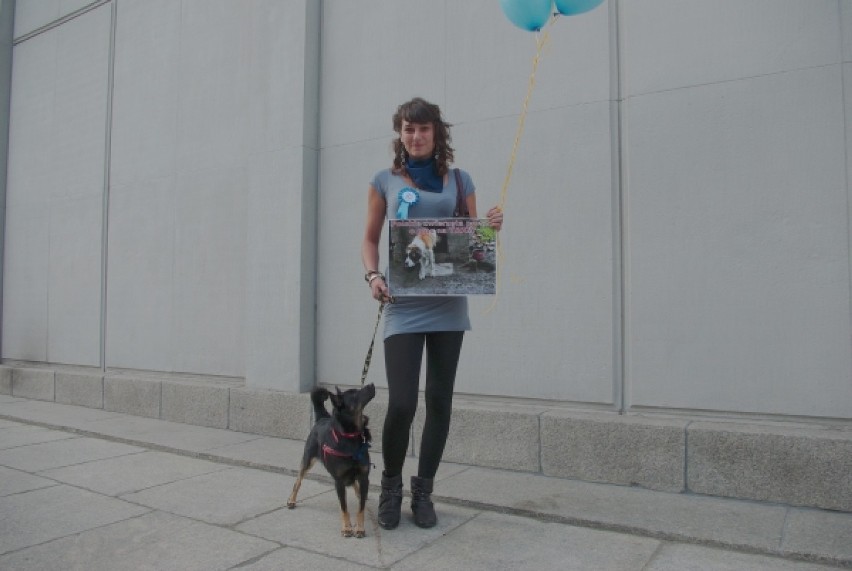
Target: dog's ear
[{"x": 336, "y": 399}]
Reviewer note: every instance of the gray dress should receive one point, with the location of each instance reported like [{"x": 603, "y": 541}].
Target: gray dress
[{"x": 424, "y": 314}]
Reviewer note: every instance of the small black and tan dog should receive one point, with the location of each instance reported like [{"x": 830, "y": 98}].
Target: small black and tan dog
[{"x": 341, "y": 440}]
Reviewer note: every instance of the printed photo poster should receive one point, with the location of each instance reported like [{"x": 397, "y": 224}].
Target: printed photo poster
[{"x": 442, "y": 256}]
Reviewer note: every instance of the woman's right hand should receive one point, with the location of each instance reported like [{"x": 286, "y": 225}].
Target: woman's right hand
[{"x": 379, "y": 289}]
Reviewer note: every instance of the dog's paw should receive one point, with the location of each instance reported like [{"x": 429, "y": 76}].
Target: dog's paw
[
  {"x": 291, "y": 505},
  {"x": 360, "y": 534},
  {"x": 346, "y": 532}
]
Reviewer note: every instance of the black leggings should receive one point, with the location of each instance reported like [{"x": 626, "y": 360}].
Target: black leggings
[{"x": 403, "y": 356}]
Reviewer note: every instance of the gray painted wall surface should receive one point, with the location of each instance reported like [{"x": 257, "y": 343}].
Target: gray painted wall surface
[
  {"x": 677, "y": 225},
  {"x": 7, "y": 24}
]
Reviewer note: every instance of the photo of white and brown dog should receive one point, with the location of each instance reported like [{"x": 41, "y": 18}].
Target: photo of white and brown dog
[{"x": 421, "y": 251}]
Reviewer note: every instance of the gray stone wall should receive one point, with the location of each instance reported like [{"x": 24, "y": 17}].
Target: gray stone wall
[{"x": 187, "y": 184}]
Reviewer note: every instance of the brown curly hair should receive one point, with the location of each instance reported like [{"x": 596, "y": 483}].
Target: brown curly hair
[{"x": 420, "y": 111}]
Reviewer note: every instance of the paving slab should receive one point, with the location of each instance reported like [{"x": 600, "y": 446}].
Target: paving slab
[
  {"x": 680, "y": 557},
  {"x": 133, "y": 473},
  {"x": 250, "y": 501},
  {"x": 292, "y": 558},
  {"x": 315, "y": 526},
  {"x": 53, "y": 414},
  {"x": 15, "y": 482},
  {"x": 25, "y": 434},
  {"x": 37, "y": 457},
  {"x": 497, "y": 541},
  {"x": 825, "y": 535},
  {"x": 264, "y": 451},
  {"x": 226, "y": 497},
  {"x": 445, "y": 470},
  {"x": 31, "y": 518},
  {"x": 622, "y": 508},
  {"x": 172, "y": 435},
  {"x": 155, "y": 541}
]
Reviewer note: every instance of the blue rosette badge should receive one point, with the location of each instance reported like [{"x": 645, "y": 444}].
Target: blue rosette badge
[{"x": 407, "y": 197}]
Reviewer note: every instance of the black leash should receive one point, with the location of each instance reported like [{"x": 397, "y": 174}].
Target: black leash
[{"x": 373, "y": 341}]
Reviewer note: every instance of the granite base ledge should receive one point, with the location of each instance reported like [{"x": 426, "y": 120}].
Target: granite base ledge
[
  {"x": 136, "y": 396},
  {"x": 490, "y": 436},
  {"x": 796, "y": 466},
  {"x": 36, "y": 384},
  {"x": 80, "y": 389},
  {"x": 615, "y": 449},
  {"x": 5, "y": 380},
  {"x": 200, "y": 404},
  {"x": 269, "y": 412}
]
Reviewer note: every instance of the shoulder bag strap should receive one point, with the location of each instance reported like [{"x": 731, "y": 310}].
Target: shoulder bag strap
[{"x": 461, "y": 203}]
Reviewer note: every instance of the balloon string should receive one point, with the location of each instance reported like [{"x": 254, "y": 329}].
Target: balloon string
[{"x": 541, "y": 41}]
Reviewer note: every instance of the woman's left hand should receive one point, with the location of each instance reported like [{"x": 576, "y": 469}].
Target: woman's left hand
[{"x": 495, "y": 217}]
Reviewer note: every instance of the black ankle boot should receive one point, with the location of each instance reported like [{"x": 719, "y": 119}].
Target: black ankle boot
[
  {"x": 390, "y": 501},
  {"x": 421, "y": 502}
]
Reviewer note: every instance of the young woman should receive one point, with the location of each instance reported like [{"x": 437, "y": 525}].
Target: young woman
[{"x": 422, "y": 155}]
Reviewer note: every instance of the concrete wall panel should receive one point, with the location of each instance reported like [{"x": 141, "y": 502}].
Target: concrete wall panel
[
  {"x": 213, "y": 87},
  {"x": 215, "y": 117},
  {"x": 33, "y": 14},
  {"x": 281, "y": 193},
  {"x": 25, "y": 287},
  {"x": 31, "y": 174},
  {"x": 375, "y": 59},
  {"x": 80, "y": 105},
  {"x": 738, "y": 247},
  {"x": 553, "y": 315},
  {"x": 282, "y": 110},
  {"x": 846, "y": 29},
  {"x": 488, "y": 62},
  {"x": 79, "y": 146},
  {"x": 668, "y": 44},
  {"x": 28, "y": 189},
  {"x": 140, "y": 281},
  {"x": 145, "y": 102},
  {"x": 209, "y": 272},
  {"x": 344, "y": 300},
  {"x": 57, "y": 177},
  {"x": 74, "y": 299},
  {"x": 273, "y": 342}
]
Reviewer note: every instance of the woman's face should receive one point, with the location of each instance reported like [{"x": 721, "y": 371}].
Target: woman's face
[{"x": 418, "y": 139}]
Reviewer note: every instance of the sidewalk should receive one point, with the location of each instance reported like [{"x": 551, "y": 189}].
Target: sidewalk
[{"x": 84, "y": 488}]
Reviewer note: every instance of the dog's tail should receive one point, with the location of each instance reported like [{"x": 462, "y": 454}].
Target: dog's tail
[{"x": 318, "y": 398}]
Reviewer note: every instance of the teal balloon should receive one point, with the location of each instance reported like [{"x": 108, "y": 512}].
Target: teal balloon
[
  {"x": 574, "y": 7},
  {"x": 530, "y": 15}
]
